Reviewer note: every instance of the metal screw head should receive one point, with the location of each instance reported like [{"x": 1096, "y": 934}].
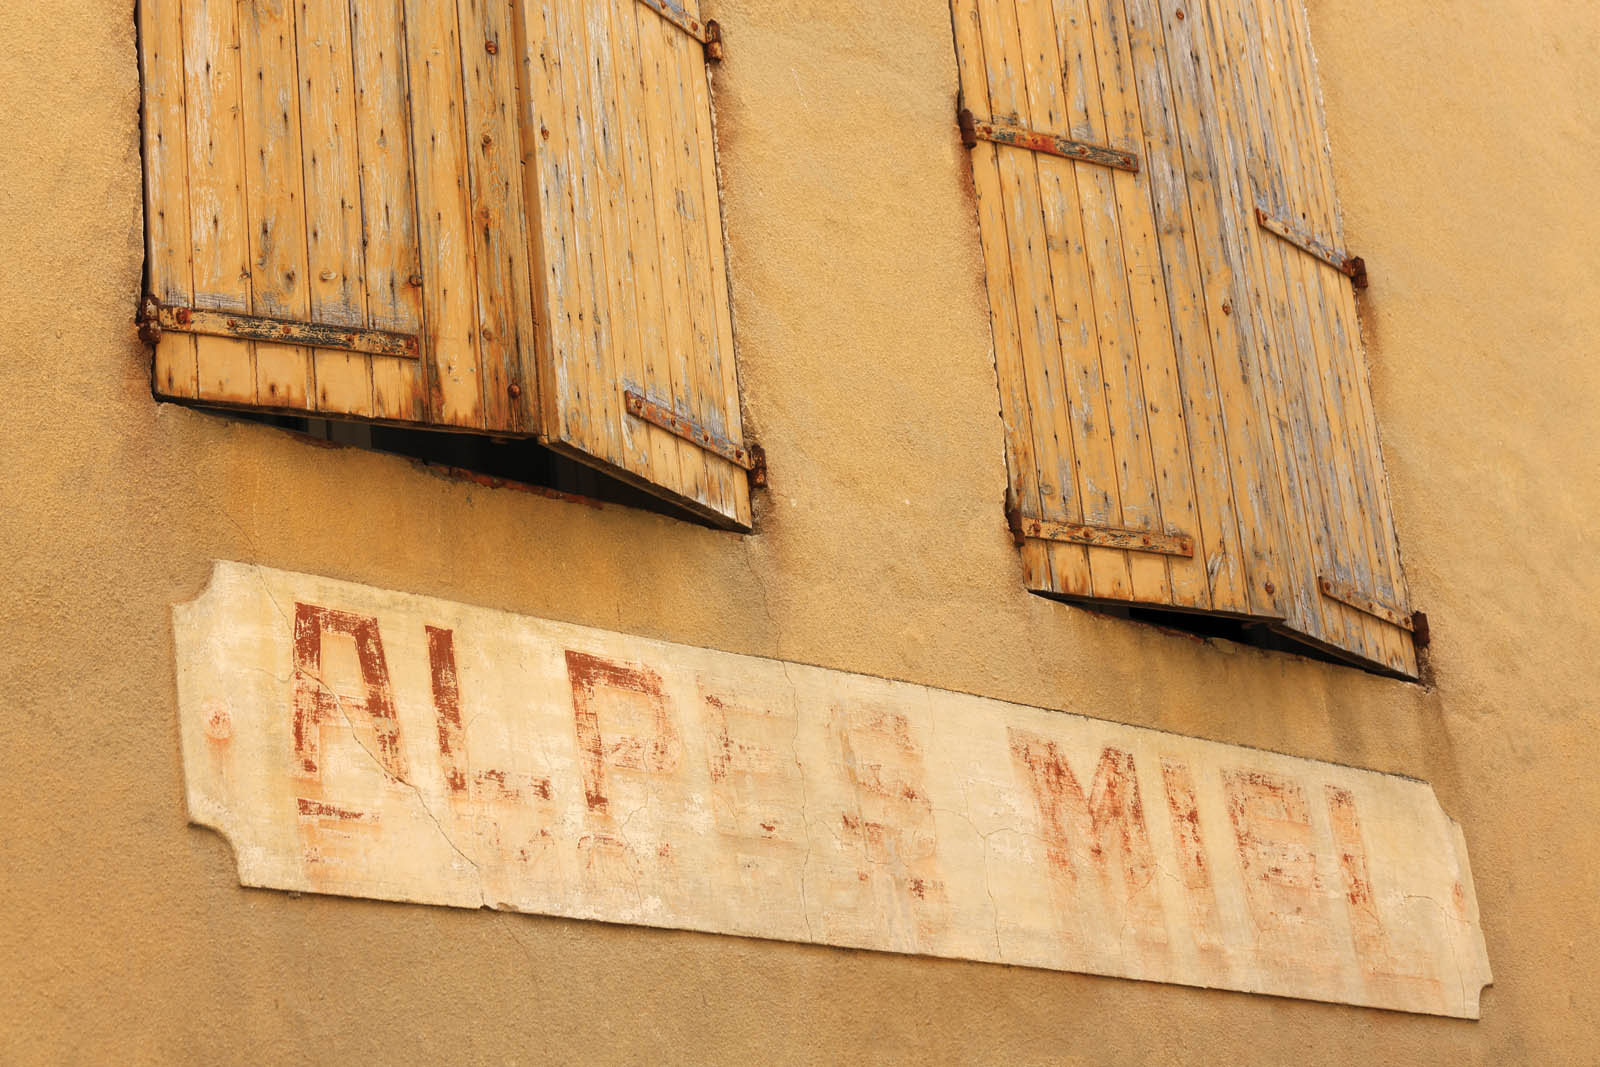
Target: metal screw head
[
  {"x": 514, "y": 389},
  {"x": 1270, "y": 588},
  {"x": 492, "y": 47}
]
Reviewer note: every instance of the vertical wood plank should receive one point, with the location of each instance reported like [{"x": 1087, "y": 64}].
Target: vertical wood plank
[
  {"x": 1167, "y": 176},
  {"x": 687, "y": 65},
  {"x": 636, "y": 291},
  {"x": 655, "y": 49},
  {"x": 1055, "y": 293},
  {"x": 1163, "y": 410},
  {"x": 1125, "y": 427},
  {"x": 558, "y": 257},
  {"x": 1315, "y": 520},
  {"x": 166, "y": 186},
  {"x": 1286, "y": 50},
  {"x": 219, "y": 220},
  {"x": 599, "y": 432},
  {"x": 505, "y": 323},
  {"x": 1315, "y": 392},
  {"x": 724, "y": 371},
  {"x": 1015, "y": 407},
  {"x": 274, "y": 189},
  {"x": 1229, "y": 311},
  {"x": 392, "y": 262},
  {"x": 444, "y": 219},
  {"x": 333, "y": 198}
]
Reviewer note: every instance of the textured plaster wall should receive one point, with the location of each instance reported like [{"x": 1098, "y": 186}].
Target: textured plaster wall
[{"x": 1466, "y": 141}]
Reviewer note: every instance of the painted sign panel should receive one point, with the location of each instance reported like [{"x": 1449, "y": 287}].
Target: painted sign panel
[{"x": 355, "y": 741}]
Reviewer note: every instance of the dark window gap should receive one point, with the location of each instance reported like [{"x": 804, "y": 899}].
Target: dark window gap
[
  {"x": 1226, "y": 628},
  {"x": 518, "y": 460}
]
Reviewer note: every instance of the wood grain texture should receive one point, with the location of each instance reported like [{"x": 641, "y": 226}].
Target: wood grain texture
[
  {"x": 275, "y": 207},
  {"x": 1194, "y": 375},
  {"x": 287, "y": 138},
  {"x": 393, "y": 260},
  {"x": 168, "y": 245},
  {"x": 219, "y": 219},
  {"x": 631, "y": 270}
]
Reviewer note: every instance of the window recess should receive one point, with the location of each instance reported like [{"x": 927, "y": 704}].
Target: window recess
[
  {"x": 491, "y": 217},
  {"x": 1189, "y": 426}
]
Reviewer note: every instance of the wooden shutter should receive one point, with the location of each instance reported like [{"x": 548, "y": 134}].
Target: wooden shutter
[
  {"x": 1188, "y": 419},
  {"x": 637, "y": 359},
  {"x": 334, "y": 209}
]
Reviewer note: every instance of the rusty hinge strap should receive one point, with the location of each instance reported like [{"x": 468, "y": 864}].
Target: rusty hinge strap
[
  {"x": 1353, "y": 267},
  {"x": 1345, "y": 593},
  {"x": 973, "y": 131},
  {"x": 1026, "y": 528},
  {"x": 642, "y": 407},
  {"x": 708, "y": 33},
  {"x": 156, "y": 317}
]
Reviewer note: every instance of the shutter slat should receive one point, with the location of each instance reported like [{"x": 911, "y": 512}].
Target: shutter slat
[
  {"x": 388, "y": 202},
  {"x": 166, "y": 139},
  {"x": 1320, "y": 366},
  {"x": 632, "y": 276},
  {"x": 1288, "y": 38},
  {"x": 1031, "y": 186},
  {"x": 1217, "y": 525},
  {"x": 1240, "y": 400},
  {"x": 449, "y": 273},
  {"x": 1083, "y": 234},
  {"x": 274, "y": 221},
  {"x": 218, "y": 215},
  {"x": 1104, "y": 228},
  {"x": 1299, "y": 436},
  {"x": 690, "y": 192},
  {"x": 1017, "y": 418},
  {"x": 1159, "y": 408},
  {"x": 656, "y": 39},
  {"x": 332, "y": 198},
  {"x": 499, "y": 231},
  {"x": 640, "y": 337}
]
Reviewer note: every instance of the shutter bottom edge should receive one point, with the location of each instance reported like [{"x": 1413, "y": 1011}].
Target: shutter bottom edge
[{"x": 1184, "y": 620}]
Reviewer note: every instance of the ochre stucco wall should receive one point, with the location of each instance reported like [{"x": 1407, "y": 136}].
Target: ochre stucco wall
[{"x": 1466, "y": 141}]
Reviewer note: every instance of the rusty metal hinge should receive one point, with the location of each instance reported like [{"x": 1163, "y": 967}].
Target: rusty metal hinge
[
  {"x": 1352, "y": 267},
  {"x": 751, "y": 459},
  {"x": 1025, "y": 528},
  {"x": 1348, "y": 594},
  {"x": 708, "y": 32},
  {"x": 156, "y": 317},
  {"x": 974, "y": 130}
]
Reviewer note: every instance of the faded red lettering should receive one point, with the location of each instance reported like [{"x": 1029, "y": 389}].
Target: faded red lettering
[
  {"x": 447, "y": 707},
  {"x": 316, "y": 703},
  {"x": 493, "y": 785},
  {"x": 756, "y": 791},
  {"x": 893, "y": 826},
  {"x": 1205, "y": 921},
  {"x": 1103, "y": 831},
  {"x": 657, "y": 752},
  {"x": 1272, "y": 829}
]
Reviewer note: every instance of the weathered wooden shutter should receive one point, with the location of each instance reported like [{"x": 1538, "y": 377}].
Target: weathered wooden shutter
[
  {"x": 1188, "y": 419},
  {"x": 334, "y": 209},
  {"x": 638, "y": 363}
]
